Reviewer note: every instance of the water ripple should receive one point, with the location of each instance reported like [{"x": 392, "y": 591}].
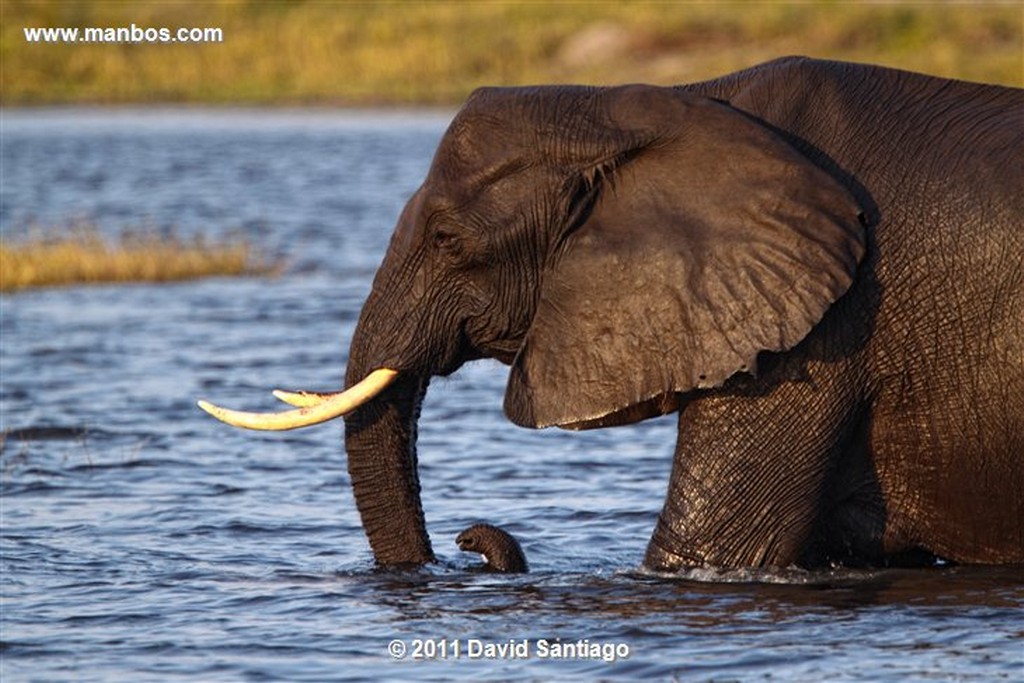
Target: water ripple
[{"x": 142, "y": 541}]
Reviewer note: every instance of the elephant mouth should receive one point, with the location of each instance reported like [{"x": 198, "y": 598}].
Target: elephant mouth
[
  {"x": 504, "y": 351},
  {"x": 311, "y": 408}
]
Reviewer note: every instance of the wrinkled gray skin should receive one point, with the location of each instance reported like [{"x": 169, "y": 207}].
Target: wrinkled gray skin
[
  {"x": 817, "y": 264},
  {"x": 500, "y": 550}
]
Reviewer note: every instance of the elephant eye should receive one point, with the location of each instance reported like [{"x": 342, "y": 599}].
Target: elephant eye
[
  {"x": 443, "y": 238},
  {"x": 446, "y": 240}
]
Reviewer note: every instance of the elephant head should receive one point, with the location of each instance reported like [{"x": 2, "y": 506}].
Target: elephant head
[{"x": 617, "y": 247}]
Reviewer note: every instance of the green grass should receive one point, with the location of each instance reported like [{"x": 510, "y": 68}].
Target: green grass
[
  {"x": 373, "y": 53},
  {"x": 80, "y": 255}
]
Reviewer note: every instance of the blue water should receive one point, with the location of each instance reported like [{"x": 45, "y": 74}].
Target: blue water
[{"x": 143, "y": 541}]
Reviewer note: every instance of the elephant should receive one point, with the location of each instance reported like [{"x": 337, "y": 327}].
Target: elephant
[{"x": 818, "y": 265}]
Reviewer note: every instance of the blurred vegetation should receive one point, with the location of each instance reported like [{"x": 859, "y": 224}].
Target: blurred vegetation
[
  {"x": 403, "y": 53},
  {"x": 80, "y": 254},
  {"x": 374, "y": 53}
]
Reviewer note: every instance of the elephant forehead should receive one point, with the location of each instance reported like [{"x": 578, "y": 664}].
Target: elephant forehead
[
  {"x": 467, "y": 141},
  {"x": 496, "y": 188},
  {"x": 407, "y": 229},
  {"x": 477, "y": 163}
]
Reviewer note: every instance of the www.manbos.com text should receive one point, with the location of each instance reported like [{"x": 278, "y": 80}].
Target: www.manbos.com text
[{"x": 122, "y": 34}]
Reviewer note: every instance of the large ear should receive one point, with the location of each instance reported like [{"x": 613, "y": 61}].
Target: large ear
[{"x": 709, "y": 241}]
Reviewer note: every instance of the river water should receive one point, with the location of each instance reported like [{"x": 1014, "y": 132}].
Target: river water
[{"x": 143, "y": 541}]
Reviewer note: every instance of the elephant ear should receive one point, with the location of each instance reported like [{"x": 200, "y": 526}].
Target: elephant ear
[{"x": 708, "y": 240}]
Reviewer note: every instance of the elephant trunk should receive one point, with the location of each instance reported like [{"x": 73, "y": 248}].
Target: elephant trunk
[{"x": 380, "y": 439}]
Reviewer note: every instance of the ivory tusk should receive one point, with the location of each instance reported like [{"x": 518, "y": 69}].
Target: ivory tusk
[
  {"x": 314, "y": 409},
  {"x": 304, "y": 399}
]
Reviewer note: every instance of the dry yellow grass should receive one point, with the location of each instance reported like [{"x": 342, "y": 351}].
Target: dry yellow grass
[
  {"x": 437, "y": 52},
  {"x": 83, "y": 256}
]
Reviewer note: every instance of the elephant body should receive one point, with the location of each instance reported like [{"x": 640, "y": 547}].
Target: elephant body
[
  {"x": 818, "y": 265},
  {"x": 902, "y": 413}
]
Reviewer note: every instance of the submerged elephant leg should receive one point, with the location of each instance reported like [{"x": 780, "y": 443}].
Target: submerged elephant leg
[{"x": 749, "y": 478}]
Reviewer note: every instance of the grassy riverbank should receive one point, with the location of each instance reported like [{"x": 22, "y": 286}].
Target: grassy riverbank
[
  {"x": 82, "y": 256},
  {"x": 407, "y": 53},
  {"x": 373, "y": 53}
]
